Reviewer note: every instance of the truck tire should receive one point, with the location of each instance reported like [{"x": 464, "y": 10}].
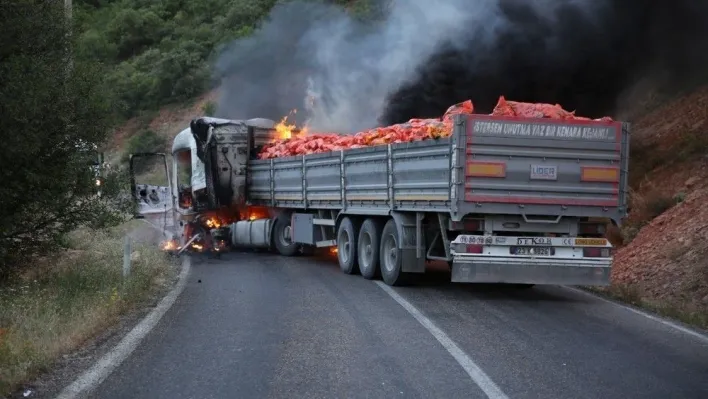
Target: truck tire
[
  {"x": 369, "y": 244},
  {"x": 390, "y": 256},
  {"x": 347, "y": 237},
  {"x": 282, "y": 238}
]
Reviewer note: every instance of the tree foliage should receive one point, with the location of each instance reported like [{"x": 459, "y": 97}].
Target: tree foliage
[
  {"x": 159, "y": 52},
  {"x": 54, "y": 113}
]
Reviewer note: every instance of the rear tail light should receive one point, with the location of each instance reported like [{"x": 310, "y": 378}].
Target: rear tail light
[
  {"x": 468, "y": 225},
  {"x": 474, "y": 249},
  {"x": 468, "y": 248},
  {"x": 596, "y": 252}
]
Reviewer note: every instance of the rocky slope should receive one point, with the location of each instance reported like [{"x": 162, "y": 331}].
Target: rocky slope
[{"x": 664, "y": 263}]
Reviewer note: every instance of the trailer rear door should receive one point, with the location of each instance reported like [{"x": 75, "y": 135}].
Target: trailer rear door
[{"x": 543, "y": 167}]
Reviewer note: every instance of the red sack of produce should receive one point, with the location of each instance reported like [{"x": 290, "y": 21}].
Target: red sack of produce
[
  {"x": 464, "y": 107},
  {"x": 413, "y": 130},
  {"x": 536, "y": 110}
]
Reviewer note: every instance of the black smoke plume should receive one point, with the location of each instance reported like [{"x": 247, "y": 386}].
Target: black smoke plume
[
  {"x": 595, "y": 56},
  {"x": 582, "y": 58}
]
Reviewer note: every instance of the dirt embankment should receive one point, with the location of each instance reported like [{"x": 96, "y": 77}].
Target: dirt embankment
[
  {"x": 664, "y": 262},
  {"x": 166, "y": 122}
]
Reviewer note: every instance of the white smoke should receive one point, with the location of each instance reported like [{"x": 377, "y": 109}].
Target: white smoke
[
  {"x": 356, "y": 72},
  {"x": 318, "y": 58}
]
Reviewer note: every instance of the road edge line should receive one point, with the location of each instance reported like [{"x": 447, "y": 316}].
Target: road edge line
[
  {"x": 96, "y": 374},
  {"x": 669, "y": 323},
  {"x": 479, "y": 377}
]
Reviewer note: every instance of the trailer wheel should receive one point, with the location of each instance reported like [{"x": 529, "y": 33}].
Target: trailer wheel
[
  {"x": 391, "y": 258},
  {"x": 369, "y": 245},
  {"x": 282, "y": 237},
  {"x": 346, "y": 246}
]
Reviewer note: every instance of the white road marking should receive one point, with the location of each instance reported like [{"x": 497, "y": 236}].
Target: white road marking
[
  {"x": 473, "y": 370},
  {"x": 701, "y": 337},
  {"x": 94, "y": 376}
]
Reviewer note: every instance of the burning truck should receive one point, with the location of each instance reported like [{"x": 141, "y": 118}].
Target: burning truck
[{"x": 521, "y": 196}]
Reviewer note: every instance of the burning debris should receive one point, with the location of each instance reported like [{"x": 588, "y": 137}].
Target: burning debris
[
  {"x": 213, "y": 223},
  {"x": 211, "y": 230},
  {"x": 170, "y": 245},
  {"x": 413, "y": 130}
]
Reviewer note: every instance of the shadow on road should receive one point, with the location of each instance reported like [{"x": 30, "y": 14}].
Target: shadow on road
[{"x": 436, "y": 278}]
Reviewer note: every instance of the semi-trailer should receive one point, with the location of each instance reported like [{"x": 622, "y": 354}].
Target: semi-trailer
[{"x": 501, "y": 199}]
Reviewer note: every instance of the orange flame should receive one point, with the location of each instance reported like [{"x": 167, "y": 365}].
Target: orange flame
[
  {"x": 284, "y": 130},
  {"x": 169, "y": 245},
  {"x": 213, "y": 223},
  {"x": 255, "y": 212}
]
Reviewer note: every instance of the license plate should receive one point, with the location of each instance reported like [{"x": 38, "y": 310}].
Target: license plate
[
  {"x": 528, "y": 241},
  {"x": 544, "y": 172},
  {"x": 532, "y": 251}
]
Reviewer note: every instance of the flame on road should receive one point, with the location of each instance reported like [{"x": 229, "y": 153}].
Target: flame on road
[{"x": 169, "y": 245}]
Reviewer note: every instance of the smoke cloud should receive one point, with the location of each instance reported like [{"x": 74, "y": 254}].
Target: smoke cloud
[{"x": 346, "y": 76}]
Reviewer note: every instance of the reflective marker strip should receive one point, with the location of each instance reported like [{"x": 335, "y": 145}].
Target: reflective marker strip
[
  {"x": 486, "y": 169},
  {"x": 599, "y": 174}
]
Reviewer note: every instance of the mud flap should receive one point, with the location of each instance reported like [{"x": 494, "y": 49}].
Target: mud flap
[{"x": 406, "y": 226}]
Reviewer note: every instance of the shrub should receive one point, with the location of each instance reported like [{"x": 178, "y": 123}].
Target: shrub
[
  {"x": 144, "y": 141},
  {"x": 209, "y": 108}
]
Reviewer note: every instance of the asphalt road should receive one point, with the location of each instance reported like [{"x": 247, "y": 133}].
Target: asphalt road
[{"x": 263, "y": 326}]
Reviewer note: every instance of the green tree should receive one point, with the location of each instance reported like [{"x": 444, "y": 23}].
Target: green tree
[
  {"x": 54, "y": 116},
  {"x": 132, "y": 31}
]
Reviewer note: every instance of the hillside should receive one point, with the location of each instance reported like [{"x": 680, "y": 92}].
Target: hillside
[{"x": 664, "y": 263}]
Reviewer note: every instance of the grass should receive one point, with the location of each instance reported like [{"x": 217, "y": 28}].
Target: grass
[{"x": 59, "y": 304}]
